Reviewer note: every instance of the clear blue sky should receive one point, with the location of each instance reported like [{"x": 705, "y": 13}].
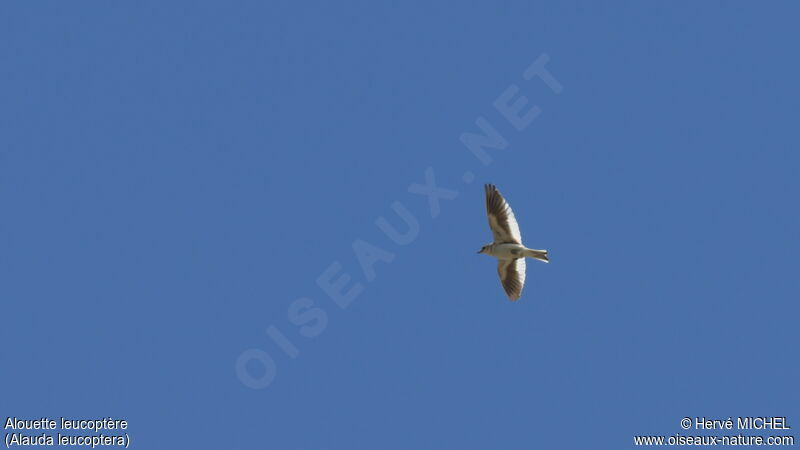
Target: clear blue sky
[{"x": 174, "y": 176}]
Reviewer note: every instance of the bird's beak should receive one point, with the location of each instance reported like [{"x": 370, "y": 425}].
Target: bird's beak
[{"x": 480, "y": 251}]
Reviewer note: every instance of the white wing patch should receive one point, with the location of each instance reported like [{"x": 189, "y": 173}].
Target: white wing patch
[
  {"x": 502, "y": 222},
  {"x": 512, "y": 276}
]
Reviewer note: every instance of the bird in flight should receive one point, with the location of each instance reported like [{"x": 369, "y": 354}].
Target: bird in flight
[{"x": 507, "y": 246}]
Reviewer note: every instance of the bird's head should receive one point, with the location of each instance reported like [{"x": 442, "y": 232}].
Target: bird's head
[{"x": 483, "y": 249}]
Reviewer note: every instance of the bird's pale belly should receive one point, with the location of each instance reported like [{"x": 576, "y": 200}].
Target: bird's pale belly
[{"x": 507, "y": 251}]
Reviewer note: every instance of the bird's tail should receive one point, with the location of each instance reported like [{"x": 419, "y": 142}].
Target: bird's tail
[{"x": 541, "y": 255}]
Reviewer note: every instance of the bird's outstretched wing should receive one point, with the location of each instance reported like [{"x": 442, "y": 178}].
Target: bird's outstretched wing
[
  {"x": 501, "y": 219},
  {"x": 512, "y": 276}
]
